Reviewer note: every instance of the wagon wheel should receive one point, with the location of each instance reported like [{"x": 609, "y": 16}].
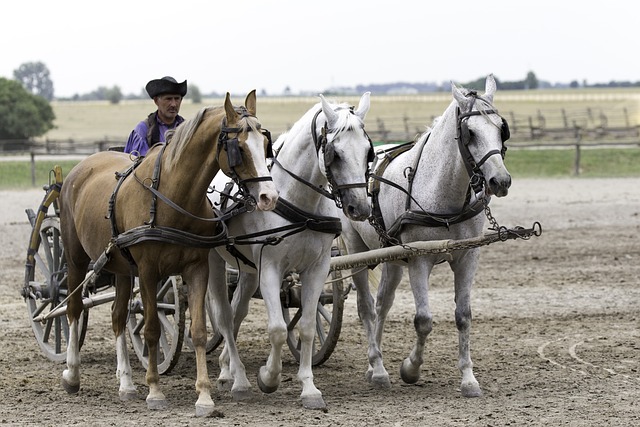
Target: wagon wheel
[
  {"x": 328, "y": 318},
  {"x": 45, "y": 288},
  {"x": 171, "y": 297}
]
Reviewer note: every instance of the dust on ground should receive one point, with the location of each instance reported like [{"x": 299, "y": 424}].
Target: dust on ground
[{"x": 555, "y": 335}]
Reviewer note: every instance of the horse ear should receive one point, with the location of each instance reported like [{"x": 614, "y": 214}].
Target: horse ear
[
  {"x": 490, "y": 88},
  {"x": 331, "y": 115},
  {"x": 232, "y": 116},
  {"x": 459, "y": 97},
  {"x": 250, "y": 102},
  {"x": 363, "y": 106}
]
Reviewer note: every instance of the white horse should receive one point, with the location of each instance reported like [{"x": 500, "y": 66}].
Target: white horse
[
  {"x": 322, "y": 163},
  {"x": 437, "y": 189}
]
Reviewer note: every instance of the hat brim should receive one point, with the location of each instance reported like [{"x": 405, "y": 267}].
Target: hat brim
[{"x": 162, "y": 86}]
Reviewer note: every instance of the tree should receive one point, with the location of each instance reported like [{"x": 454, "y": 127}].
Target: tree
[
  {"x": 24, "y": 115},
  {"x": 531, "y": 82},
  {"x": 194, "y": 94},
  {"x": 114, "y": 95},
  {"x": 34, "y": 77}
]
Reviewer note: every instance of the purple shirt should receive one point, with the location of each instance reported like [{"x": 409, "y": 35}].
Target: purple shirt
[{"x": 138, "y": 138}]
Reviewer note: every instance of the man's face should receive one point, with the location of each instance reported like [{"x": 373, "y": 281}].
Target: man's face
[{"x": 168, "y": 106}]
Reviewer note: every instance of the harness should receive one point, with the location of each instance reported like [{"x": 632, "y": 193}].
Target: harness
[
  {"x": 150, "y": 231},
  {"x": 422, "y": 217},
  {"x": 300, "y": 219}
]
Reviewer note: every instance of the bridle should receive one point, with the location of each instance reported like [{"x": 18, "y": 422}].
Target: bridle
[
  {"x": 463, "y": 136},
  {"x": 325, "y": 146},
  {"x": 232, "y": 146}
]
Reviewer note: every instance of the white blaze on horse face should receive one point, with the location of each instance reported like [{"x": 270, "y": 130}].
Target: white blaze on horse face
[{"x": 264, "y": 192}]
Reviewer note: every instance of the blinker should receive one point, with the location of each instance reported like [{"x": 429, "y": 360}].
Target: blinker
[{"x": 234, "y": 156}]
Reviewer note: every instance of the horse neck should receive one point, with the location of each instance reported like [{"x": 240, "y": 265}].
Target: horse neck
[
  {"x": 441, "y": 174},
  {"x": 186, "y": 177},
  {"x": 298, "y": 155}
]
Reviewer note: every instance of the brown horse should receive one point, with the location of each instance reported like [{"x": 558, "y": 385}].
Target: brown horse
[{"x": 163, "y": 195}]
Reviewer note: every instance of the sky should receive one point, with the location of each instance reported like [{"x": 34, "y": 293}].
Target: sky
[{"x": 239, "y": 45}]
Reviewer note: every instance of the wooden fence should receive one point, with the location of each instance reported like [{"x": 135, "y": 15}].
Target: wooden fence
[{"x": 560, "y": 129}]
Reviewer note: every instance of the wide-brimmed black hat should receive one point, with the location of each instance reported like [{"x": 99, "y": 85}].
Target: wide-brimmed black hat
[{"x": 164, "y": 85}]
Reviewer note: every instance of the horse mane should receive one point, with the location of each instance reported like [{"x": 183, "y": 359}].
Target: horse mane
[
  {"x": 177, "y": 138},
  {"x": 345, "y": 121}
]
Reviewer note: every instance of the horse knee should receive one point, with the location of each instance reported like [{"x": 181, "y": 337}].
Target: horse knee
[
  {"x": 463, "y": 319},
  {"x": 277, "y": 335},
  {"x": 423, "y": 323}
]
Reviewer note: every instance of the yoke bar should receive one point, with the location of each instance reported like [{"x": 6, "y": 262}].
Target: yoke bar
[{"x": 413, "y": 249}]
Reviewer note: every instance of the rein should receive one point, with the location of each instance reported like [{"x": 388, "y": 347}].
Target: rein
[{"x": 152, "y": 232}]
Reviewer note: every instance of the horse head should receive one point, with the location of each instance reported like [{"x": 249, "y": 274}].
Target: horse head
[
  {"x": 481, "y": 134},
  {"x": 344, "y": 152},
  {"x": 246, "y": 146}
]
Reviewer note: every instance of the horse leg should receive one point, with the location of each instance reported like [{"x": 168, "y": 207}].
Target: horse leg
[
  {"x": 218, "y": 292},
  {"x": 312, "y": 284},
  {"x": 247, "y": 286},
  {"x": 376, "y": 373},
  {"x": 76, "y": 273},
  {"x": 464, "y": 270},
  {"x": 389, "y": 281},
  {"x": 419, "y": 270},
  {"x": 149, "y": 279},
  {"x": 196, "y": 276},
  {"x": 119, "y": 314},
  {"x": 269, "y": 376}
]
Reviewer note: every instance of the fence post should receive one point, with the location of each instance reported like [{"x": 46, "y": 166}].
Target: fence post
[
  {"x": 576, "y": 162},
  {"x": 33, "y": 168}
]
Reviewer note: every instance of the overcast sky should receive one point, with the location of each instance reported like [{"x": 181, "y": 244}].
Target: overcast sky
[{"x": 240, "y": 45}]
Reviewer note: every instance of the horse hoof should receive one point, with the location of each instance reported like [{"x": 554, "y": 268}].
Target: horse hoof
[
  {"x": 266, "y": 388},
  {"x": 224, "y": 384},
  {"x": 204, "y": 410},
  {"x": 70, "y": 388},
  {"x": 471, "y": 390},
  {"x": 314, "y": 402},
  {"x": 241, "y": 395},
  {"x": 381, "y": 381},
  {"x": 157, "y": 404},
  {"x": 126, "y": 395},
  {"x": 409, "y": 374}
]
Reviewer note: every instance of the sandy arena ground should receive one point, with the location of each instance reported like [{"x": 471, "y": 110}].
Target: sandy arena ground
[{"x": 555, "y": 336}]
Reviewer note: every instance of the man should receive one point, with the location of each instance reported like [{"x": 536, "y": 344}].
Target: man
[{"x": 167, "y": 94}]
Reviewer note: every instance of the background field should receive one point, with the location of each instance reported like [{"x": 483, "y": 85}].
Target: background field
[
  {"x": 89, "y": 122},
  {"x": 99, "y": 120}
]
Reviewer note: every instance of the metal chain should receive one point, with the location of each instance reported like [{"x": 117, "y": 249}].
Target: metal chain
[{"x": 501, "y": 234}]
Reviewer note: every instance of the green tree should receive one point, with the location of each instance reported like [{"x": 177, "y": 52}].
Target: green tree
[
  {"x": 194, "y": 94},
  {"x": 531, "y": 82},
  {"x": 34, "y": 77},
  {"x": 114, "y": 95},
  {"x": 24, "y": 115}
]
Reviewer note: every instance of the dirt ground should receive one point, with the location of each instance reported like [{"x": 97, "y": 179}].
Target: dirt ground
[{"x": 555, "y": 336}]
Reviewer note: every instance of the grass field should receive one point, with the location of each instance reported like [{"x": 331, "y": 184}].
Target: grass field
[
  {"x": 93, "y": 121},
  {"x": 622, "y": 162},
  {"x": 101, "y": 120}
]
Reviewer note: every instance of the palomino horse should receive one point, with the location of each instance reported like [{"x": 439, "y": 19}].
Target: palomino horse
[
  {"x": 435, "y": 190},
  {"x": 164, "y": 237},
  {"x": 322, "y": 163}
]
